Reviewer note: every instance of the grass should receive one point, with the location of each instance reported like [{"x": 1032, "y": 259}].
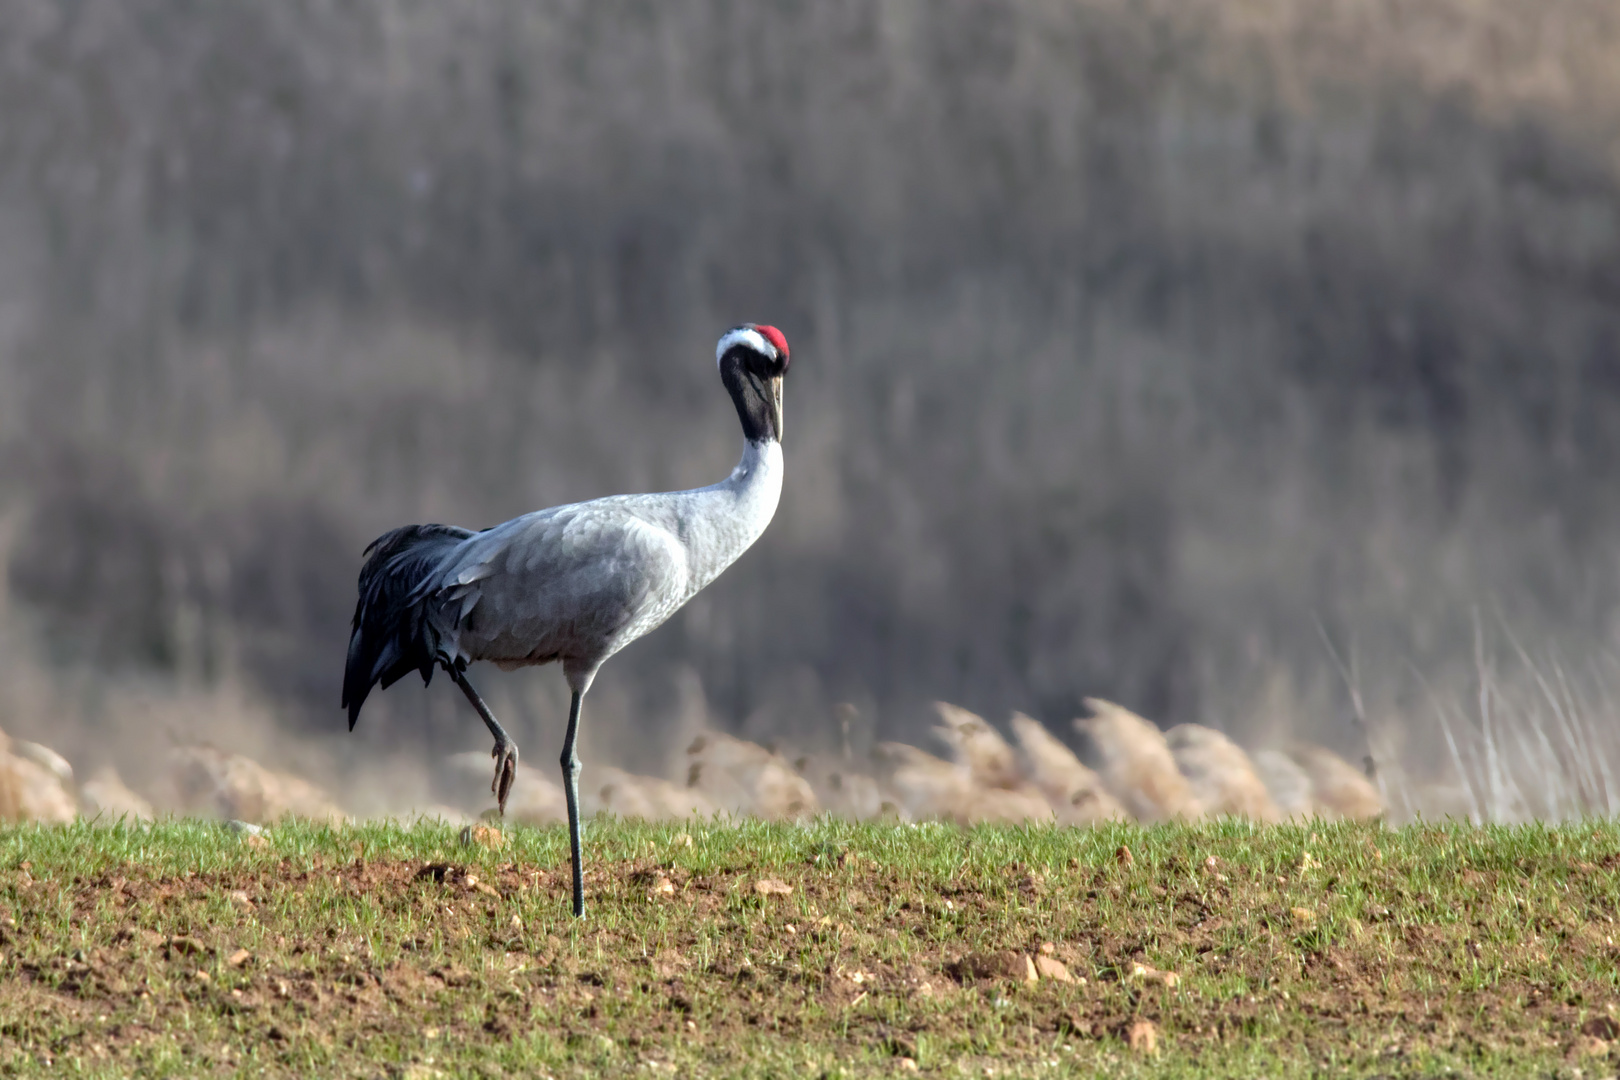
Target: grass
[{"x": 1325, "y": 950}]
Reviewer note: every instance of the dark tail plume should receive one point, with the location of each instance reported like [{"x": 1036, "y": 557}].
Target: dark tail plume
[{"x": 390, "y": 637}]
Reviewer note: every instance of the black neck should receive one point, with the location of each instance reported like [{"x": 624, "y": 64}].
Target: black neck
[{"x": 750, "y": 391}]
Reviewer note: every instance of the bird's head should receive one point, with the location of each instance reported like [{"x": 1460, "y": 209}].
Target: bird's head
[{"x": 753, "y": 361}]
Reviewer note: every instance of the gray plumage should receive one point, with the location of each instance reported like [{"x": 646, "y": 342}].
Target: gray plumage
[
  {"x": 578, "y": 583},
  {"x": 572, "y": 584}
]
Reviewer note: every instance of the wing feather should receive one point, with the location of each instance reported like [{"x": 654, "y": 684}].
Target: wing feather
[{"x": 578, "y": 581}]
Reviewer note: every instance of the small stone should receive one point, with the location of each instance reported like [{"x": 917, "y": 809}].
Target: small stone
[
  {"x": 1047, "y": 948},
  {"x": 999, "y": 965},
  {"x": 245, "y": 828},
  {"x": 772, "y": 887},
  {"x": 908, "y": 1064},
  {"x": 242, "y": 900},
  {"x": 1154, "y": 975},
  {"x": 420, "y": 1071},
  {"x": 239, "y": 957},
  {"x": 1124, "y": 857},
  {"x": 662, "y": 887},
  {"x": 1049, "y": 967},
  {"x": 184, "y": 946},
  {"x": 1142, "y": 1036}
]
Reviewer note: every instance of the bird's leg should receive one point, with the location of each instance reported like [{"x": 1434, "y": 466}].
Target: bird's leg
[
  {"x": 570, "y": 771},
  {"x": 505, "y": 752}
]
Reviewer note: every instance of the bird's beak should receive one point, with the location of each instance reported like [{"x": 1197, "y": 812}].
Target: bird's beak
[{"x": 776, "y": 405}]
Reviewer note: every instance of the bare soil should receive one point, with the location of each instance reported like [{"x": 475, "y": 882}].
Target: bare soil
[{"x": 1334, "y": 954}]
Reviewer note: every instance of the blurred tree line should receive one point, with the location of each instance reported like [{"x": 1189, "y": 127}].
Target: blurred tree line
[{"x": 1131, "y": 339}]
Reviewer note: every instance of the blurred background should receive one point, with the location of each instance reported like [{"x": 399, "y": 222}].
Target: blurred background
[{"x": 1254, "y": 364}]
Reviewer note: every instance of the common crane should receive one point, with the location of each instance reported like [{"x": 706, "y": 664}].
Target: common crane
[{"x": 574, "y": 583}]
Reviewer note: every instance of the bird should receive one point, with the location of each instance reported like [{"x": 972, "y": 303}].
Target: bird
[{"x": 572, "y": 584}]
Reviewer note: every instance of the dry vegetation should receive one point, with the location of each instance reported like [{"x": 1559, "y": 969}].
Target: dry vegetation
[
  {"x": 827, "y": 949},
  {"x": 1133, "y": 339},
  {"x": 987, "y": 780}
]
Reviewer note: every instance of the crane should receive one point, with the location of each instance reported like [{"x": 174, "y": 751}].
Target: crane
[{"x": 573, "y": 584}]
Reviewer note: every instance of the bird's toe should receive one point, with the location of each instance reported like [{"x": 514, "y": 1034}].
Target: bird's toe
[{"x": 506, "y": 762}]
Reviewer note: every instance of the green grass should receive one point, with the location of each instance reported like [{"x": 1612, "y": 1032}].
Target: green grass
[{"x": 1415, "y": 952}]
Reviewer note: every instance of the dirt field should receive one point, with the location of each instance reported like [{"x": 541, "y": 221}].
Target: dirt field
[{"x": 832, "y": 949}]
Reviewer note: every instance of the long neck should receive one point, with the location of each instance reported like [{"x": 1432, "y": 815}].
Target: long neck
[{"x": 722, "y": 521}]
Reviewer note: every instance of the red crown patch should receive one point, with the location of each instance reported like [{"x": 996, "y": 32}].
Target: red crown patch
[{"x": 774, "y": 336}]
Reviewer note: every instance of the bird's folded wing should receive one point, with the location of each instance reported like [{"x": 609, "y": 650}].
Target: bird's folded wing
[{"x": 559, "y": 579}]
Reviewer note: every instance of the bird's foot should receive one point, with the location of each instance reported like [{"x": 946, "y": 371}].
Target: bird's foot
[{"x": 506, "y": 762}]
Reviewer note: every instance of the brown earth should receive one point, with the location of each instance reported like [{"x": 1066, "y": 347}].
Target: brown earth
[{"x": 346, "y": 958}]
